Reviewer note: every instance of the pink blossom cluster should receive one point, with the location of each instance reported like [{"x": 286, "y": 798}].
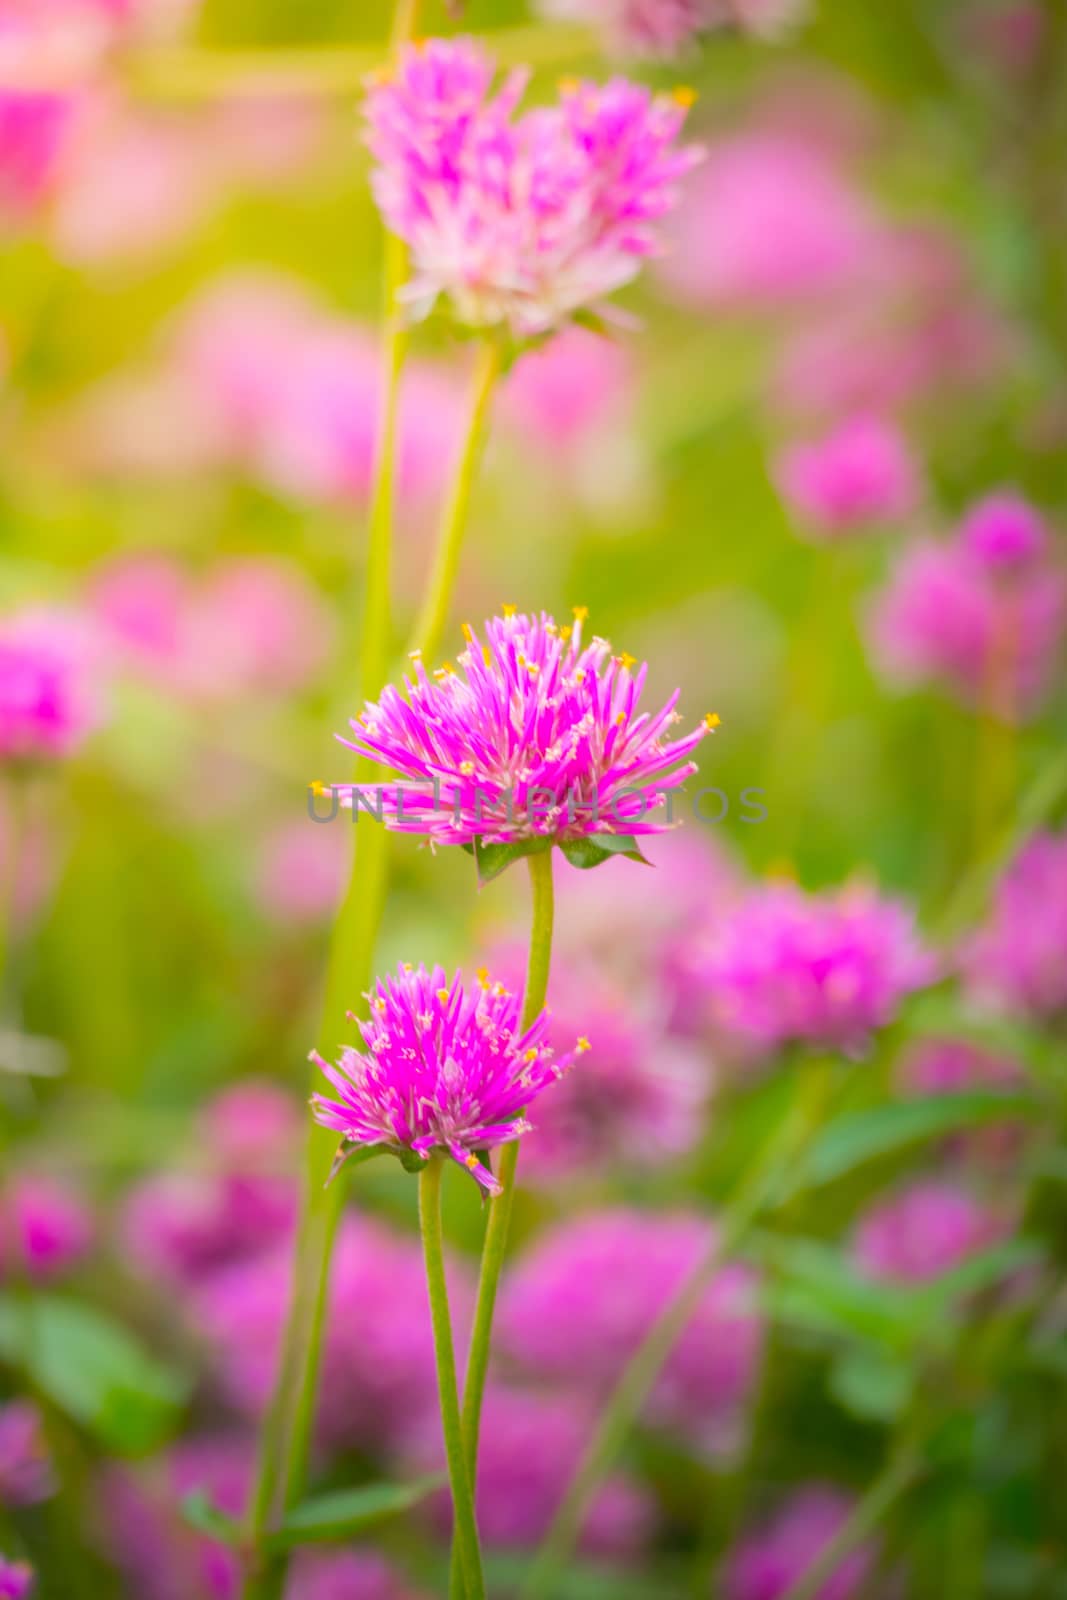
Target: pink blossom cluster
[
  {"x": 51, "y": 695},
  {"x": 983, "y": 615},
  {"x": 46, "y": 1227},
  {"x": 770, "y": 1559},
  {"x": 861, "y": 474},
  {"x": 25, "y": 1466},
  {"x": 578, "y": 1303},
  {"x": 662, "y": 28},
  {"x": 924, "y": 1231},
  {"x": 16, "y": 1579},
  {"x": 1015, "y": 961},
  {"x": 823, "y": 970},
  {"x": 521, "y": 221}
]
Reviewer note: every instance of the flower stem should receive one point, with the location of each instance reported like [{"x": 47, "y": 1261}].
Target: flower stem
[
  {"x": 759, "y": 1192},
  {"x": 499, "y": 1223},
  {"x": 462, "y": 1493},
  {"x": 899, "y": 1475},
  {"x": 433, "y": 617}
]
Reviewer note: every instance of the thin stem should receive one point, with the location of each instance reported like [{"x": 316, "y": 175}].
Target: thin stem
[
  {"x": 15, "y": 842},
  {"x": 898, "y": 1476},
  {"x": 499, "y": 1224},
  {"x": 433, "y": 617},
  {"x": 755, "y": 1196},
  {"x": 462, "y": 1494}
]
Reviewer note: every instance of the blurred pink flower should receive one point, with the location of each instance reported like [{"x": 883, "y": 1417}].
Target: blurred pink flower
[
  {"x": 16, "y": 1579},
  {"x": 531, "y": 1443},
  {"x": 662, "y": 28},
  {"x": 345, "y": 1575},
  {"x": 577, "y": 1304},
  {"x": 984, "y": 615},
  {"x": 954, "y": 1066},
  {"x": 1016, "y": 960},
  {"x": 520, "y": 221},
  {"x": 861, "y": 474},
  {"x": 50, "y": 685},
  {"x": 826, "y": 970},
  {"x": 923, "y": 1232},
  {"x": 769, "y": 1560},
  {"x": 45, "y": 1227},
  {"x": 1009, "y": 34},
  {"x": 301, "y": 872},
  {"x": 560, "y": 393},
  {"x": 33, "y": 140},
  {"x": 25, "y": 1468},
  {"x": 378, "y": 1371},
  {"x": 767, "y": 222}
]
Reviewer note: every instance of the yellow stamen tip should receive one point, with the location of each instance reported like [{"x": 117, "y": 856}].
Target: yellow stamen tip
[
  {"x": 684, "y": 96},
  {"x": 583, "y": 1045},
  {"x": 470, "y": 1161},
  {"x": 579, "y": 613},
  {"x": 568, "y": 85},
  {"x": 627, "y": 660},
  {"x": 468, "y": 632},
  {"x": 509, "y": 611},
  {"x": 318, "y": 789},
  {"x": 442, "y": 995},
  {"x": 712, "y": 721},
  {"x": 529, "y": 1055}
]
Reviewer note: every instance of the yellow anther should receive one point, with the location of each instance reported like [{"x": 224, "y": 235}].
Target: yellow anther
[
  {"x": 483, "y": 977},
  {"x": 533, "y": 669},
  {"x": 684, "y": 96},
  {"x": 468, "y": 632},
  {"x": 499, "y": 990},
  {"x": 712, "y": 721},
  {"x": 487, "y": 655},
  {"x": 579, "y": 613},
  {"x": 620, "y": 719},
  {"x": 318, "y": 789},
  {"x": 579, "y": 676},
  {"x": 566, "y": 632},
  {"x": 583, "y": 1045},
  {"x": 470, "y": 1161},
  {"x": 442, "y": 995},
  {"x": 530, "y": 1055},
  {"x": 509, "y": 611},
  {"x": 626, "y": 660},
  {"x": 568, "y": 85},
  {"x": 466, "y": 767}
]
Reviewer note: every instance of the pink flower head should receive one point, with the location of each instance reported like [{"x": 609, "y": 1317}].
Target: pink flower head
[
  {"x": 521, "y": 221},
  {"x": 442, "y": 1069},
  {"x": 770, "y": 221},
  {"x": 1005, "y": 531},
  {"x": 301, "y": 873},
  {"x": 1017, "y": 961},
  {"x": 537, "y": 737},
  {"x": 770, "y": 1560},
  {"x": 16, "y": 1579},
  {"x": 25, "y": 1467},
  {"x": 49, "y": 693},
  {"x": 345, "y": 1575},
  {"x": 861, "y": 473},
  {"x": 984, "y": 615},
  {"x": 924, "y": 1232},
  {"x": 826, "y": 970},
  {"x": 953, "y": 1066},
  {"x": 568, "y": 390},
  {"x": 44, "y": 1227},
  {"x": 34, "y": 129},
  {"x": 576, "y": 1307},
  {"x": 654, "y": 28},
  {"x": 531, "y": 1444}
]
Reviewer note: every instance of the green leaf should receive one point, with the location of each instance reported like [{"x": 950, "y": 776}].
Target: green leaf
[
  {"x": 860, "y": 1136},
  {"x": 583, "y": 1580},
  {"x": 329, "y": 1518},
  {"x": 871, "y": 1385},
  {"x": 93, "y": 1371},
  {"x": 598, "y": 847},
  {"x": 201, "y": 1514},
  {"x": 493, "y": 859}
]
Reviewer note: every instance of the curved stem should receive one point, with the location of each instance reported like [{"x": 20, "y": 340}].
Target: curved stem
[
  {"x": 462, "y": 1494},
  {"x": 898, "y": 1476},
  {"x": 17, "y": 820},
  {"x": 756, "y": 1195},
  {"x": 499, "y": 1223},
  {"x": 433, "y": 617}
]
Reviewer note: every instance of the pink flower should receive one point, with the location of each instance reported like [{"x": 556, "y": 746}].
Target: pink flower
[
  {"x": 34, "y": 129},
  {"x": 568, "y": 390},
  {"x": 984, "y": 616},
  {"x": 25, "y": 1467},
  {"x": 861, "y": 473},
  {"x": 531, "y": 1443},
  {"x": 768, "y": 222},
  {"x": 1016, "y": 961},
  {"x": 576, "y": 1306},
  {"x": 923, "y": 1232},
  {"x": 826, "y": 970},
  {"x": 50, "y": 697},
  {"x": 302, "y": 871},
  {"x": 45, "y": 1227},
  {"x": 767, "y": 1562},
  {"x": 655, "y": 28},
  {"x": 16, "y": 1579},
  {"x": 345, "y": 1575},
  {"x": 954, "y": 1066},
  {"x": 520, "y": 221}
]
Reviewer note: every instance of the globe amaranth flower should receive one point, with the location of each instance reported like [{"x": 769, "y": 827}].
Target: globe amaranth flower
[
  {"x": 538, "y": 737},
  {"x": 578, "y": 1304},
  {"x": 523, "y": 221},
  {"x": 860, "y": 475},
  {"x": 16, "y": 1579},
  {"x": 824, "y": 970},
  {"x": 940, "y": 1066},
  {"x": 924, "y": 1231},
  {"x": 1016, "y": 961},
  {"x": 443, "y": 1068},
  {"x": 25, "y": 1466},
  {"x": 45, "y": 1227},
  {"x": 49, "y": 691},
  {"x": 662, "y": 28},
  {"x": 766, "y": 1563}
]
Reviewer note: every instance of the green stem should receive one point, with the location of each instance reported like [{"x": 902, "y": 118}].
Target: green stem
[
  {"x": 433, "y": 617},
  {"x": 898, "y": 1476},
  {"x": 499, "y": 1224},
  {"x": 462, "y": 1494},
  {"x": 17, "y": 818},
  {"x": 756, "y": 1195}
]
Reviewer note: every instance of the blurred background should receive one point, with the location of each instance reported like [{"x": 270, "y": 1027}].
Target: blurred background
[{"x": 786, "y": 482}]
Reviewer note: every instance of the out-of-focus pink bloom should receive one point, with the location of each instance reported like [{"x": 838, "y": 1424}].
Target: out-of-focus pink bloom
[
  {"x": 1009, "y": 35},
  {"x": 953, "y": 1066},
  {"x": 25, "y": 1468},
  {"x": 301, "y": 872},
  {"x": 923, "y": 1232},
  {"x": 50, "y": 699},
  {"x": 987, "y": 625},
  {"x": 531, "y": 1443},
  {"x": 379, "y": 1373},
  {"x": 28, "y": 861},
  {"x": 577, "y": 1305},
  {"x": 521, "y": 221},
  {"x": 345, "y": 1575},
  {"x": 33, "y": 138},
  {"x": 16, "y": 1579},
  {"x": 1005, "y": 531},
  {"x": 563, "y": 392},
  {"x": 1016, "y": 961},
  {"x": 45, "y": 1227},
  {"x": 768, "y": 222},
  {"x": 862, "y": 473},
  {"x": 656, "y": 28},
  {"x": 179, "y": 1226},
  {"x": 769, "y": 1560},
  {"x": 825, "y": 970}
]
